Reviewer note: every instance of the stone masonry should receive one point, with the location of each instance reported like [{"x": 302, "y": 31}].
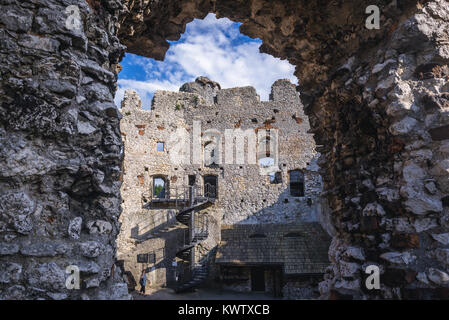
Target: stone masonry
[
  {"x": 245, "y": 193},
  {"x": 376, "y": 101}
]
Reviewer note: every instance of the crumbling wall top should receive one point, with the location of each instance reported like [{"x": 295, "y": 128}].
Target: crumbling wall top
[
  {"x": 131, "y": 100},
  {"x": 284, "y": 90}
]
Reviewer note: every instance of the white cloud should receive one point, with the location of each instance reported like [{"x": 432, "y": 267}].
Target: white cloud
[{"x": 215, "y": 49}]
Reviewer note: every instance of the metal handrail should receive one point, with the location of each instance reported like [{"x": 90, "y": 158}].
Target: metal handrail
[
  {"x": 184, "y": 193},
  {"x": 202, "y": 224},
  {"x": 210, "y": 191}
]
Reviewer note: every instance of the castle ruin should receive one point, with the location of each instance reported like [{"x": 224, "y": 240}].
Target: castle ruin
[
  {"x": 218, "y": 182},
  {"x": 376, "y": 99}
]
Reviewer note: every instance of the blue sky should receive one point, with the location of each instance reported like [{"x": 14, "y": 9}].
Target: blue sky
[{"x": 210, "y": 47}]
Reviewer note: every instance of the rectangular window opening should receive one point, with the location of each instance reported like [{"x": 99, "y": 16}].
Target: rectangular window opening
[
  {"x": 297, "y": 183},
  {"x": 160, "y": 147}
]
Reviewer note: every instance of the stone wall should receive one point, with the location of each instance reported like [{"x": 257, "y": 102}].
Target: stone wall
[
  {"x": 301, "y": 288},
  {"x": 60, "y": 150},
  {"x": 376, "y": 101},
  {"x": 245, "y": 193}
]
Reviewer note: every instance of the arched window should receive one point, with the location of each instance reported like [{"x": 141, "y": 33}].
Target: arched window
[
  {"x": 297, "y": 183},
  {"x": 159, "y": 187}
]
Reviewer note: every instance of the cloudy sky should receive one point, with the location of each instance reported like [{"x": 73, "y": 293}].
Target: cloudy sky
[{"x": 211, "y": 47}]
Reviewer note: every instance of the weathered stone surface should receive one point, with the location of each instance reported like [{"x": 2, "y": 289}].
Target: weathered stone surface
[
  {"x": 398, "y": 257},
  {"x": 57, "y": 296},
  {"x": 437, "y": 276},
  {"x": 46, "y": 276},
  {"x": 99, "y": 227},
  {"x": 91, "y": 249},
  {"x": 44, "y": 249},
  {"x": 15, "y": 292},
  {"x": 74, "y": 229},
  {"x": 87, "y": 267},
  {"x": 10, "y": 272},
  {"x": 16, "y": 208},
  {"x": 16, "y": 18},
  {"x": 442, "y": 238},
  {"x": 348, "y": 269},
  {"x": 373, "y": 209},
  {"x": 442, "y": 255},
  {"x": 8, "y": 248},
  {"x": 425, "y": 224},
  {"x": 355, "y": 253},
  {"x": 118, "y": 291},
  {"x": 403, "y": 127},
  {"x": 420, "y": 203},
  {"x": 421, "y": 276},
  {"x": 92, "y": 282},
  {"x": 363, "y": 130},
  {"x": 56, "y": 84}
]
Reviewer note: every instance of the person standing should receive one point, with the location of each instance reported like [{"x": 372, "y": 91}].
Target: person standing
[{"x": 143, "y": 282}]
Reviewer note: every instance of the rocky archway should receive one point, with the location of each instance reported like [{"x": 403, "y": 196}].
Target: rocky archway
[{"x": 377, "y": 100}]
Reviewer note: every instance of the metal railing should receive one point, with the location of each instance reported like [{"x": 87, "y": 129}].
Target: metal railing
[
  {"x": 210, "y": 191},
  {"x": 181, "y": 194},
  {"x": 201, "y": 230},
  {"x": 201, "y": 225}
]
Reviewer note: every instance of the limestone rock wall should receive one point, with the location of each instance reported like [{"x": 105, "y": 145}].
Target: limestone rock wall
[
  {"x": 389, "y": 144},
  {"x": 60, "y": 151}
]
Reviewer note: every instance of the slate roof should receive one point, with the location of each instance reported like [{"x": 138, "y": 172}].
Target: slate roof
[{"x": 299, "y": 248}]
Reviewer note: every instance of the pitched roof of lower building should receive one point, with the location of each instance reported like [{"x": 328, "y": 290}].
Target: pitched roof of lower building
[{"x": 299, "y": 248}]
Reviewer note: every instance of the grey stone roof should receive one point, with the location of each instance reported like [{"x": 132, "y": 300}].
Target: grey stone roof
[{"x": 301, "y": 248}]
